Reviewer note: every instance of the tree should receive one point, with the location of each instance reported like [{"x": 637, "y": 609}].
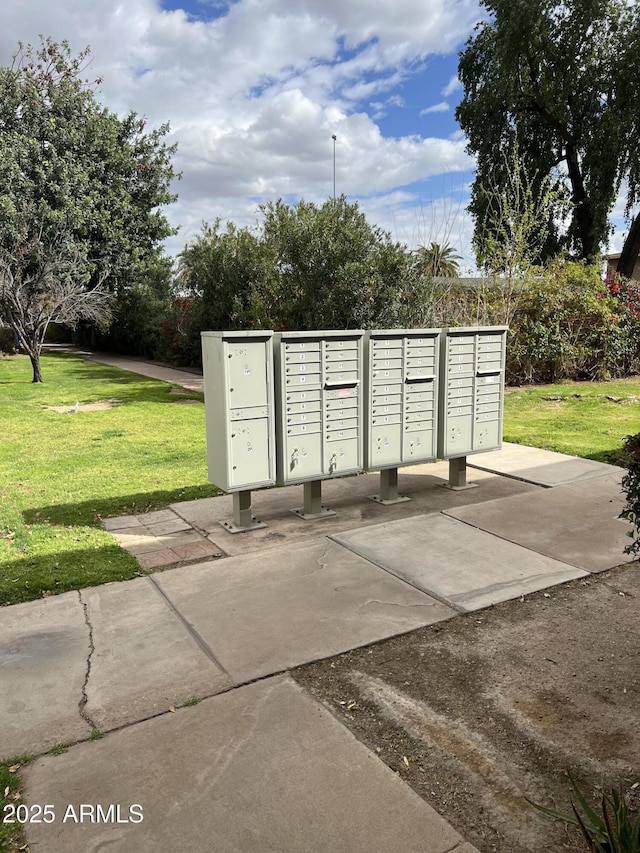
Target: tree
[
  {"x": 560, "y": 79},
  {"x": 224, "y": 273},
  {"x": 436, "y": 261},
  {"x": 80, "y": 192},
  {"x": 301, "y": 267},
  {"x": 45, "y": 278},
  {"x": 335, "y": 271}
]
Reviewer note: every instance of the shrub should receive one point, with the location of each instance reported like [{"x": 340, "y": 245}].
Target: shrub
[
  {"x": 565, "y": 327},
  {"x": 631, "y": 487},
  {"x": 7, "y": 341},
  {"x": 179, "y": 338},
  {"x": 624, "y": 352},
  {"x": 334, "y": 270},
  {"x": 134, "y": 328},
  {"x": 302, "y": 267}
]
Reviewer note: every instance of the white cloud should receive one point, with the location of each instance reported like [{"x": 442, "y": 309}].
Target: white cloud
[
  {"x": 254, "y": 94},
  {"x": 442, "y": 107},
  {"x": 452, "y": 86}
]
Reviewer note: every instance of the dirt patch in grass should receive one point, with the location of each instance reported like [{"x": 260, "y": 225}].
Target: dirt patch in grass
[
  {"x": 490, "y": 709},
  {"x": 99, "y": 406}
]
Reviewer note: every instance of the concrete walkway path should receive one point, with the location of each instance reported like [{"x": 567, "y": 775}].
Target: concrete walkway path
[
  {"x": 186, "y": 378},
  {"x": 258, "y": 764}
]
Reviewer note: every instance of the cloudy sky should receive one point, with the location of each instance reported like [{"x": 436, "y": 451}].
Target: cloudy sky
[{"x": 254, "y": 90}]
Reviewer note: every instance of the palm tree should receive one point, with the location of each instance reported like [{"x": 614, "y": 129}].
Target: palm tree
[{"x": 438, "y": 261}]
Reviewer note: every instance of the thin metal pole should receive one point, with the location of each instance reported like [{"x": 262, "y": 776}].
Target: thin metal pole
[{"x": 334, "y": 137}]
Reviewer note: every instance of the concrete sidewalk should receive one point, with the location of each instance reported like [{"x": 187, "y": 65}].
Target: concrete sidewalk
[
  {"x": 185, "y": 378},
  {"x": 258, "y": 764}
]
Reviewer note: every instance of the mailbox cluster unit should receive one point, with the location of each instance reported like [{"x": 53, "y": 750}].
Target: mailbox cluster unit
[
  {"x": 318, "y": 404},
  {"x": 300, "y": 407},
  {"x": 401, "y": 397},
  {"x": 239, "y": 409},
  {"x": 472, "y": 393}
]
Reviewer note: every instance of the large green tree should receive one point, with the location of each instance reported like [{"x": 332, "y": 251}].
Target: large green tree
[
  {"x": 559, "y": 79},
  {"x": 81, "y": 192},
  {"x": 305, "y": 266},
  {"x": 335, "y": 270}
]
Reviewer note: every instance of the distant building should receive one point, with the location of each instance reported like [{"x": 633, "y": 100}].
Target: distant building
[{"x": 612, "y": 263}]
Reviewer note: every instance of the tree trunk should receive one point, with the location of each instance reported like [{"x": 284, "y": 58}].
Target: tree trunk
[
  {"x": 35, "y": 364},
  {"x": 583, "y": 214},
  {"x": 630, "y": 250}
]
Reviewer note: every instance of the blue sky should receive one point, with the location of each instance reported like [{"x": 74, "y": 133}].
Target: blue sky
[{"x": 255, "y": 89}]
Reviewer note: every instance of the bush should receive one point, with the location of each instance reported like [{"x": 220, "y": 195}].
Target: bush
[
  {"x": 624, "y": 352},
  {"x": 303, "y": 267},
  {"x": 566, "y": 327},
  {"x": 334, "y": 270},
  {"x": 631, "y": 487},
  {"x": 139, "y": 307},
  {"x": 7, "y": 341}
]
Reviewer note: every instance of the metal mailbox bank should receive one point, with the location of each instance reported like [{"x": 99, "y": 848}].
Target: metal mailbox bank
[
  {"x": 240, "y": 417},
  {"x": 472, "y": 362},
  {"x": 318, "y": 378},
  {"x": 400, "y": 403}
]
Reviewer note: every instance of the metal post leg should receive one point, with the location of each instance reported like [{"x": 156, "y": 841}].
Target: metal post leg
[
  {"x": 389, "y": 488},
  {"x": 458, "y": 474},
  {"x": 389, "y": 484},
  {"x": 313, "y": 508},
  {"x": 313, "y": 497},
  {"x": 242, "y": 520},
  {"x": 242, "y": 509}
]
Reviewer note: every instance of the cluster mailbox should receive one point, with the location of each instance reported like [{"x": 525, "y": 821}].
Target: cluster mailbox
[
  {"x": 401, "y": 393},
  {"x": 472, "y": 380},
  {"x": 239, "y": 407},
  {"x": 300, "y": 407},
  {"x": 238, "y": 377},
  {"x": 319, "y": 404}
]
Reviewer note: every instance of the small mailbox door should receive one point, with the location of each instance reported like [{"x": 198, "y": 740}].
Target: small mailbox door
[
  {"x": 249, "y": 456},
  {"x": 246, "y": 373}
]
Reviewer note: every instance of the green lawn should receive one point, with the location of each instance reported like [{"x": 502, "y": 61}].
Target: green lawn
[
  {"x": 589, "y": 419},
  {"x": 62, "y": 472}
]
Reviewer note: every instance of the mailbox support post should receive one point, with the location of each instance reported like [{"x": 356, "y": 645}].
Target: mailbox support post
[
  {"x": 243, "y": 519},
  {"x": 389, "y": 488},
  {"x": 458, "y": 475},
  {"x": 313, "y": 509}
]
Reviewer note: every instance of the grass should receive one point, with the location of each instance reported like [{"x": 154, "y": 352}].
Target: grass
[
  {"x": 12, "y": 837},
  {"x": 589, "y": 419},
  {"x": 61, "y": 473}
]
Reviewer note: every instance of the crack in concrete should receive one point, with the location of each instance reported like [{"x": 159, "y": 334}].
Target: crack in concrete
[
  {"x": 321, "y": 560},
  {"x": 399, "y": 604},
  {"x": 84, "y": 699}
]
